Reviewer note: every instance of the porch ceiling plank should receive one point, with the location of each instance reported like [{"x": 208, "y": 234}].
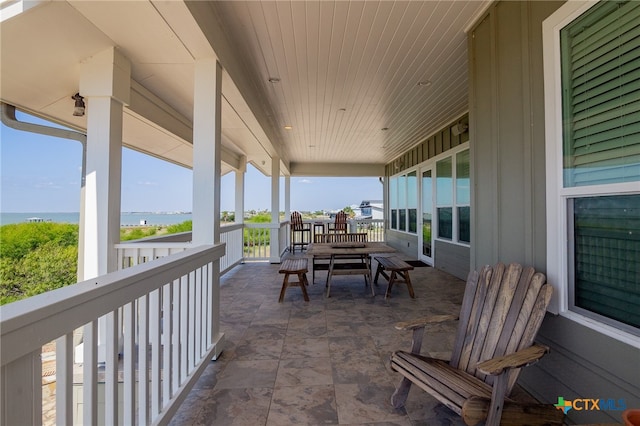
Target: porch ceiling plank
[{"x": 347, "y": 69}]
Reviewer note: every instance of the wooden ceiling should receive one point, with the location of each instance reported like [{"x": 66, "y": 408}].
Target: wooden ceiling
[{"x": 359, "y": 82}]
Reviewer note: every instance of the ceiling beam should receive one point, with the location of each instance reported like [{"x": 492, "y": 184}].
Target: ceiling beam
[{"x": 337, "y": 169}]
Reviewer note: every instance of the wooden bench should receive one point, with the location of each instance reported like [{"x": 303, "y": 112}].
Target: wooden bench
[
  {"x": 398, "y": 268},
  {"x": 296, "y": 266}
]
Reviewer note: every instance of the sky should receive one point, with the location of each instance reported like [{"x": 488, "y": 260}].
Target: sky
[{"x": 42, "y": 174}]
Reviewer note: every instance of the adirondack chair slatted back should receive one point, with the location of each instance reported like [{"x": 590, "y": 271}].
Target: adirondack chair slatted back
[
  {"x": 502, "y": 310},
  {"x": 296, "y": 221},
  {"x": 340, "y": 224}
]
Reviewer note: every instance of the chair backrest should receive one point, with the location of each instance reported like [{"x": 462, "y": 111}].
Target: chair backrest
[
  {"x": 341, "y": 221},
  {"x": 502, "y": 311},
  {"x": 341, "y": 238},
  {"x": 296, "y": 221}
]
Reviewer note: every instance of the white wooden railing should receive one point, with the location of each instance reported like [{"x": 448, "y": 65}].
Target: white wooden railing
[{"x": 165, "y": 313}]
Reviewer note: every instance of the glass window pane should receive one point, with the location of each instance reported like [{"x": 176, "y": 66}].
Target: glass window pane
[
  {"x": 412, "y": 190},
  {"x": 464, "y": 224},
  {"x": 606, "y": 247},
  {"x": 462, "y": 178},
  {"x": 402, "y": 220},
  {"x": 413, "y": 220},
  {"x": 393, "y": 192},
  {"x": 444, "y": 184},
  {"x": 445, "y": 222},
  {"x": 427, "y": 209},
  {"x": 394, "y": 219},
  {"x": 402, "y": 192}
]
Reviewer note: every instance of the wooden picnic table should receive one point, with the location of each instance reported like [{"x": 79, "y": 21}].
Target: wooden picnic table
[{"x": 349, "y": 258}]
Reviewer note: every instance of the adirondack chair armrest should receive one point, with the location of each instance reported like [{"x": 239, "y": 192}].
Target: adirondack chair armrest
[
  {"x": 521, "y": 358},
  {"x": 424, "y": 321}
]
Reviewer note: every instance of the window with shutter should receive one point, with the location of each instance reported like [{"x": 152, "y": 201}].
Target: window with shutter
[
  {"x": 600, "y": 67},
  {"x": 601, "y": 95}
]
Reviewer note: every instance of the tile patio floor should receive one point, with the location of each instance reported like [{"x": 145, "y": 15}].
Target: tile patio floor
[{"x": 324, "y": 362}]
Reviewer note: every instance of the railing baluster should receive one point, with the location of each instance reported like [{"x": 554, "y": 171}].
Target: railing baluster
[
  {"x": 155, "y": 319},
  {"x": 111, "y": 369},
  {"x": 90, "y": 374},
  {"x": 167, "y": 331},
  {"x": 26, "y": 373},
  {"x": 184, "y": 327},
  {"x": 208, "y": 306},
  {"x": 175, "y": 339},
  {"x": 129, "y": 363},
  {"x": 143, "y": 360},
  {"x": 198, "y": 315},
  {"x": 192, "y": 322},
  {"x": 64, "y": 380}
]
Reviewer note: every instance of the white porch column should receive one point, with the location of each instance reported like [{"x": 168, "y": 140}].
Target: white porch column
[
  {"x": 105, "y": 82},
  {"x": 207, "y": 170},
  {"x": 275, "y": 211},
  {"x": 240, "y": 174},
  {"x": 287, "y": 197},
  {"x": 207, "y": 151}
]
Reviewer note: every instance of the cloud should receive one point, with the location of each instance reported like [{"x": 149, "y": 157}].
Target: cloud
[
  {"x": 305, "y": 181},
  {"x": 147, "y": 183},
  {"x": 47, "y": 185}
]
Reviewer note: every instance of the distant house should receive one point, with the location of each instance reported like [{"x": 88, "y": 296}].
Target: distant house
[{"x": 370, "y": 209}]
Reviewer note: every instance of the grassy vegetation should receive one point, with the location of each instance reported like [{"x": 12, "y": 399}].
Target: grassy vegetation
[
  {"x": 36, "y": 257},
  {"x": 39, "y": 257}
]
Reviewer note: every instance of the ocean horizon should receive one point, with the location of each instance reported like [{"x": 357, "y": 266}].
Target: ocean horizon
[{"x": 126, "y": 218}]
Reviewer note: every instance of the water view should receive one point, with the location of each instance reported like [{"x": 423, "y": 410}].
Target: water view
[{"x": 126, "y": 218}]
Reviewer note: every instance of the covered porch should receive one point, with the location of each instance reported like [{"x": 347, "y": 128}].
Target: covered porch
[{"x": 321, "y": 362}]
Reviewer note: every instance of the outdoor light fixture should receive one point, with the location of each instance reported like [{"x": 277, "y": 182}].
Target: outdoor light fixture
[
  {"x": 288, "y": 127},
  {"x": 274, "y": 80},
  {"x": 459, "y": 129},
  {"x": 424, "y": 83},
  {"x": 78, "y": 109}
]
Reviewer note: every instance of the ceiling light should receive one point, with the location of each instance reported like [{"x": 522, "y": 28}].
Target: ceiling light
[
  {"x": 424, "y": 83},
  {"x": 79, "y": 107},
  {"x": 384, "y": 129},
  {"x": 274, "y": 80},
  {"x": 342, "y": 109},
  {"x": 288, "y": 127}
]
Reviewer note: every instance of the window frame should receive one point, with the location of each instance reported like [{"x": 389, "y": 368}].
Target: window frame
[
  {"x": 558, "y": 196},
  {"x": 452, "y": 154}
]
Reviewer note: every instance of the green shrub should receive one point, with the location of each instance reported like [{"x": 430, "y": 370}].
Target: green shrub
[
  {"x": 36, "y": 257},
  {"x": 17, "y": 240},
  {"x": 185, "y": 226}
]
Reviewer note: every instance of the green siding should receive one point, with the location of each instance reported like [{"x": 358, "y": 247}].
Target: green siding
[{"x": 506, "y": 115}]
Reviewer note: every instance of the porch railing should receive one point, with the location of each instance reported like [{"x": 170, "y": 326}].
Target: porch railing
[
  {"x": 245, "y": 242},
  {"x": 165, "y": 313}
]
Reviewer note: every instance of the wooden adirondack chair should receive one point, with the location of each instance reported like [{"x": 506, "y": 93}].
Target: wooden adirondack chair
[
  {"x": 300, "y": 232},
  {"x": 502, "y": 310},
  {"x": 340, "y": 223}
]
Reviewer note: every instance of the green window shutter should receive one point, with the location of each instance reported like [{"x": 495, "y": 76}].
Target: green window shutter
[{"x": 601, "y": 95}]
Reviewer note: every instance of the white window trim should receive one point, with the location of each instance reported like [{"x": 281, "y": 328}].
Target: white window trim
[
  {"x": 557, "y": 249},
  {"x": 431, "y": 162}
]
